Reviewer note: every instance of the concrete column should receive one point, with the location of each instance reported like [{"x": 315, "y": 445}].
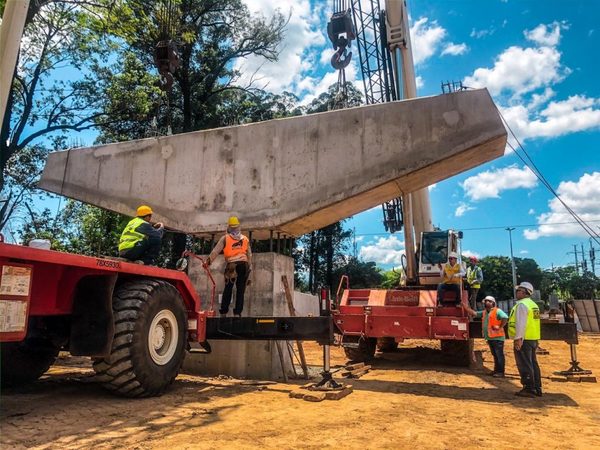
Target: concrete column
[{"x": 264, "y": 297}]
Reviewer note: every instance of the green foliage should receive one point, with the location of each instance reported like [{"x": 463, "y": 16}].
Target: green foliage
[
  {"x": 391, "y": 279},
  {"x": 361, "y": 274},
  {"x": 334, "y": 99}
]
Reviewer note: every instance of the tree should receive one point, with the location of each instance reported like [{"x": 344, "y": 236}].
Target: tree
[
  {"x": 362, "y": 274},
  {"x": 335, "y": 99},
  {"x": 46, "y": 101},
  {"x": 497, "y": 277}
]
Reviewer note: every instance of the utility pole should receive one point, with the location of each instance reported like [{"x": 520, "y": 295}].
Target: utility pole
[
  {"x": 512, "y": 262},
  {"x": 593, "y": 257},
  {"x": 576, "y": 262},
  {"x": 583, "y": 261}
]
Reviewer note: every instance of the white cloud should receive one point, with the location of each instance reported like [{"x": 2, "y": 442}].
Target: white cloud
[
  {"x": 302, "y": 33},
  {"x": 531, "y": 211},
  {"x": 387, "y": 250},
  {"x": 431, "y": 187},
  {"x": 490, "y": 183},
  {"x": 469, "y": 253},
  {"x": 478, "y": 34},
  {"x": 455, "y": 49},
  {"x": 419, "y": 81},
  {"x": 546, "y": 35},
  {"x": 462, "y": 209},
  {"x": 426, "y": 38},
  {"x": 524, "y": 252},
  {"x": 519, "y": 70},
  {"x": 582, "y": 197},
  {"x": 576, "y": 113}
]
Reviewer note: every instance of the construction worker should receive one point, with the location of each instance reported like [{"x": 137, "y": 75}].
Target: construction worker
[
  {"x": 493, "y": 320},
  {"x": 474, "y": 280},
  {"x": 238, "y": 259},
  {"x": 524, "y": 330},
  {"x": 452, "y": 274},
  {"x": 140, "y": 241}
]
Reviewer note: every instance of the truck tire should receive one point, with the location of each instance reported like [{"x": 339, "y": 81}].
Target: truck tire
[
  {"x": 26, "y": 361},
  {"x": 149, "y": 341},
  {"x": 458, "y": 353},
  {"x": 365, "y": 351},
  {"x": 386, "y": 344}
]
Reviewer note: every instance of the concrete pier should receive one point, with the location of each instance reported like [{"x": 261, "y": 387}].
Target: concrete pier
[{"x": 289, "y": 175}]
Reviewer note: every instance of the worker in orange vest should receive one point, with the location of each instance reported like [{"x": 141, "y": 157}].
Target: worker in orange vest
[
  {"x": 493, "y": 320},
  {"x": 238, "y": 258}
]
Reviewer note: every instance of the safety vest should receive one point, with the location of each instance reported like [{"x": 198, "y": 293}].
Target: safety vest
[
  {"x": 492, "y": 322},
  {"x": 532, "y": 328},
  {"x": 130, "y": 237},
  {"x": 472, "y": 277},
  {"x": 449, "y": 271},
  {"x": 235, "y": 249}
]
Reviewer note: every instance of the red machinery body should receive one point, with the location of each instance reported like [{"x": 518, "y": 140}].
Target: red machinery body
[
  {"x": 40, "y": 283},
  {"x": 398, "y": 314}
]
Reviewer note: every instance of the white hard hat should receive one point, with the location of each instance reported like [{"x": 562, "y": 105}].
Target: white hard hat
[
  {"x": 453, "y": 255},
  {"x": 490, "y": 298},
  {"x": 526, "y": 285}
]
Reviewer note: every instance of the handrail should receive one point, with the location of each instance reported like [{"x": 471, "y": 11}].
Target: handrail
[
  {"x": 337, "y": 294},
  {"x": 208, "y": 272}
]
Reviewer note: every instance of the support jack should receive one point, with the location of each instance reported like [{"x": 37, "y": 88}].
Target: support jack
[{"x": 574, "y": 372}]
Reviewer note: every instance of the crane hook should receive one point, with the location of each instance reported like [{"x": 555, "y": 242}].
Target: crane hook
[{"x": 341, "y": 58}]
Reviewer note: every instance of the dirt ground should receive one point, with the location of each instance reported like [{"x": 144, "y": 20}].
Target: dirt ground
[{"x": 409, "y": 398}]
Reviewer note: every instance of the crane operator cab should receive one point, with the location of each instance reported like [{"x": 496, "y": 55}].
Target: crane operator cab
[{"x": 435, "y": 248}]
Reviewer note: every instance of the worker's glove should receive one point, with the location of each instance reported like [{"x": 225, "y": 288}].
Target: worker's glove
[{"x": 159, "y": 225}]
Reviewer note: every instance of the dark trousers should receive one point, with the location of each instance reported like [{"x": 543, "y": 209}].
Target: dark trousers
[
  {"x": 527, "y": 364},
  {"x": 473, "y": 297},
  {"x": 497, "y": 350},
  {"x": 146, "y": 250},
  {"x": 442, "y": 287},
  {"x": 241, "y": 269}
]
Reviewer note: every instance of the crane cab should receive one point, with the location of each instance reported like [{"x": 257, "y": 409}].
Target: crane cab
[{"x": 434, "y": 250}]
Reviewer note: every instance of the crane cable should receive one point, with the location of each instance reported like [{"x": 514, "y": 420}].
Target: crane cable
[{"x": 528, "y": 161}]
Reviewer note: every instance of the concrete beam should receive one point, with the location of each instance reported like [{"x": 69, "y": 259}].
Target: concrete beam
[{"x": 290, "y": 175}]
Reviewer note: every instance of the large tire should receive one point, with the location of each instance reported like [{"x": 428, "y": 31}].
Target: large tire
[
  {"x": 458, "y": 353},
  {"x": 365, "y": 351},
  {"x": 26, "y": 361},
  {"x": 149, "y": 341},
  {"x": 387, "y": 344}
]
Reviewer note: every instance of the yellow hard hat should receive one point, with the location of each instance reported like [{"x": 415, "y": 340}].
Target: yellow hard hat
[
  {"x": 233, "y": 222},
  {"x": 143, "y": 211}
]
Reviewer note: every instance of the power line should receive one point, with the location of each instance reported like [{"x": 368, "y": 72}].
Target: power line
[{"x": 528, "y": 161}]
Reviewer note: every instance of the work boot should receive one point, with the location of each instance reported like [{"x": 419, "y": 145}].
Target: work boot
[
  {"x": 498, "y": 375},
  {"x": 538, "y": 392},
  {"x": 237, "y": 315},
  {"x": 525, "y": 393}
]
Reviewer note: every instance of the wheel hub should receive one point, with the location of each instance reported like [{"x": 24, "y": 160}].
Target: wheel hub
[{"x": 162, "y": 337}]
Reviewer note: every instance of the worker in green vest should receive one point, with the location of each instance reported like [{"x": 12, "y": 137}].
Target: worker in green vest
[
  {"x": 524, "y": 330},
  {"x": 474, "y": 280},
  {"x": 140, "y": 240}
]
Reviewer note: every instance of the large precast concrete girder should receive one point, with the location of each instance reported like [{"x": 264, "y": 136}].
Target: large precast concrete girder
[{"x": 290, "y": 175}]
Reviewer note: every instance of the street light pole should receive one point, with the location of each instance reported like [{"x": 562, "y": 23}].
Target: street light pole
[{"x": 512, "y": 262}]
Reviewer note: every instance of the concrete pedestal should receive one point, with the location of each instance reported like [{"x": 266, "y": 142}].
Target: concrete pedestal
[{"x": 264, "y": 297}]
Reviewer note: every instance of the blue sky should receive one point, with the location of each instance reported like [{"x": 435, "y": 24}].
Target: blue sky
[{"x": 539, "y": 61}]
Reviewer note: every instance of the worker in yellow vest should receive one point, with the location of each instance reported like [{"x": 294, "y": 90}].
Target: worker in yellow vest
[
  {"x": 493, "y": 320},
  {"x": 140, "y": 240},
  {"x": 474, "y": 280},
  {"x": 238, "y": 258},
  {"x": 452, "y": 273},
  {"x": 524, "y": 330}
]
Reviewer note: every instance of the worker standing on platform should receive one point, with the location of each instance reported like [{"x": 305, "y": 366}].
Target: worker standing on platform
[
  {"x": 525, "y": 331},
  {"x": 451, "y": 274},
  {"x": 238, "y": 265},
  {"x": 493, "y": 320},
  {"x": 140, "y": 241},
  {"x": 474, "y": 279}
]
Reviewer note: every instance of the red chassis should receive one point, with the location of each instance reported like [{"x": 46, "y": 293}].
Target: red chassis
[{"x": 37, "y": 283}]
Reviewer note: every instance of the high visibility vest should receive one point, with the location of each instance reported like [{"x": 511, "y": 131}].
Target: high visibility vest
[
  {"x": 532, "y": 328},
  {"x": 449, "y": 271},
  {"x": 235, "y": 249},
  {"x": 472, "y": 277},
  {"x": 130, "y": 237},
  {"x": 492, "y": 322}
]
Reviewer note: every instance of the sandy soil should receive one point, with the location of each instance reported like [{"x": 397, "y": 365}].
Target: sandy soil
[{"x": 409, "y": 398}]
